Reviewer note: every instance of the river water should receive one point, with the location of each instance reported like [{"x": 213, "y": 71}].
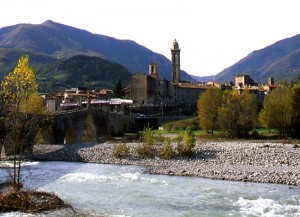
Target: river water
[{"x": 112, "y": 190}]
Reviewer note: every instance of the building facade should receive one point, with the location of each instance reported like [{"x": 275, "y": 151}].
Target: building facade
[{"x": 150, "y": 90}]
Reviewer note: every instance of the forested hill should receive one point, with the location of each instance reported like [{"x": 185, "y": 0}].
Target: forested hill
[
  {"x": 58, "y": 42},
  {"x": 81, "y": 70}
]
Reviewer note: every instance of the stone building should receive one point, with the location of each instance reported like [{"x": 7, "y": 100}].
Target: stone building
[
  {"x": 243, "y": 80},
  {"x": 148, "y": 90}
]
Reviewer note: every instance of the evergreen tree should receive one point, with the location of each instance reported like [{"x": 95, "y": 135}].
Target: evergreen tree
[{"x": 118, "y": 91}]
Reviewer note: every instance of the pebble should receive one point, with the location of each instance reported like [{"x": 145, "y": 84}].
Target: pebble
[{"x": 250, "y": 161}]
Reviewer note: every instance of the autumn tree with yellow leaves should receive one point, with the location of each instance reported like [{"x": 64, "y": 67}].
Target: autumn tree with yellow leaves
[
  {"x": 208, "y": 105},
  {"x": 238, "y": 113},
  {"x": 19, "y": 84},
  {"x": 22, "y": 113}
]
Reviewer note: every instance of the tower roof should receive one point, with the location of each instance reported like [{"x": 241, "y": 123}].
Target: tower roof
[{"x": 175, "y": 45}]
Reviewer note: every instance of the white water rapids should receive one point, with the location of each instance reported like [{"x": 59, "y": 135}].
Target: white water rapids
[{"x": 112, "y": 190}]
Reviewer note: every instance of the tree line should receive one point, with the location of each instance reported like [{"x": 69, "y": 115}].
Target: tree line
[{"x": 241, "y": 114}]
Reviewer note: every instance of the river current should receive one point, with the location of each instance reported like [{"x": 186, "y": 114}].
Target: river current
[{"x": 113, "y": 190}]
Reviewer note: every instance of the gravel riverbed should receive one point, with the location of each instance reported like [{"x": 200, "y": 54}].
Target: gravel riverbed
[{"x": 249, "y": 161}]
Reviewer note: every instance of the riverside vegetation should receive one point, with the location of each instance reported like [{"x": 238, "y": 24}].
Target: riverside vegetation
[
  {"x": 18, "y": 123},
  {"x": 238, "y": 115},
  {"x": 265, "y": 160}
]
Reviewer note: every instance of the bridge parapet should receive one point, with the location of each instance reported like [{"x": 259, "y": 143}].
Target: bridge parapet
[{"x": 104, "y": 124}]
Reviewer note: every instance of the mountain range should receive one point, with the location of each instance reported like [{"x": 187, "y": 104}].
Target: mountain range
[
  {"x": 280, "y": 60},
  {"x": 53, "y": 46},
  {"x": 50, "y": 42}
]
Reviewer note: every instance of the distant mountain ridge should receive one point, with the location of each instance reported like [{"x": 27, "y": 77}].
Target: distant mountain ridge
[
  {"x": 60, "y": 41},
  {"x": 280, "y": 60},
  {"x": 50, "y": 43}
]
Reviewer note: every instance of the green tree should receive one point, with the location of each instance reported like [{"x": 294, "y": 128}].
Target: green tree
[
  {"x": 208, "y": 105},
  {"x": 278, "y": 111},
  {"x": 118, "y": 91}
]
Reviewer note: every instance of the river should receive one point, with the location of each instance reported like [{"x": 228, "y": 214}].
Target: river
[{"x": 113, "y": 190}]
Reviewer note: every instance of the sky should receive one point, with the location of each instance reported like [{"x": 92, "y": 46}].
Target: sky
[{"x": 212, "y": 34}]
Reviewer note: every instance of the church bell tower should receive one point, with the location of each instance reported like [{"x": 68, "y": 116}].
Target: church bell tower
[{"x": 175, "y": 52}]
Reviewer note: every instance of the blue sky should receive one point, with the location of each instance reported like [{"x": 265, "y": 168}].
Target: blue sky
[{"x": 212, "y": 34}]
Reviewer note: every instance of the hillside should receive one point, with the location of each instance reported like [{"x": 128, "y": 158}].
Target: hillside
[
  {"x": 9, "y": 59},
  {"x": 59, "y": 42},
  {"x": 280, "y": 60},
  {"x": 80, "y": 70}
]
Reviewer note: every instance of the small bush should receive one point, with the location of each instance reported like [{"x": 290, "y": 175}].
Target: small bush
[
  {"x": 178, "y": 141},
  {"x": 160, "y": 138},
  {"x": 121, "y": 150},
  {"x": 167, "y": 151},
  {"x": 145, "y": 150},
  {"x": 186, "y": 148},
  {"x": 148, "y": 136},
  {"x": 189, "y": 140}
]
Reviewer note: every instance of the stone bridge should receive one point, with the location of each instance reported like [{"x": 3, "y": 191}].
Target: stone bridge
[
  {"x": 90, "y": 125},
  {"x": 87, "y": 125}
]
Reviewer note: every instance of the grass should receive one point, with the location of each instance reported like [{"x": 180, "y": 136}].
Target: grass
[{"x": 178, "y": 127}]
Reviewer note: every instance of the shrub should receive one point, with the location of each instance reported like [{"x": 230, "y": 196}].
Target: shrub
[
  {"x": 148, "y": 136},
  {"x": 121, "y": 150},
  {"x": 186, "y": 149},
  {"x": 166, "y": 152},
  {"x": 189, "y": 140},
  {"x": 146, "y": 149},
  {"x": 178, "y": 142}
]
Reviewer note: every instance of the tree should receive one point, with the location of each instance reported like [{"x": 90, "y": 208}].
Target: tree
[
  {"x": 20, "y": 83},
  {"x": 118, "y": 91},
  {"x": 238, "y": 113},
  {"x": 229, "y": 112},
  {"x": 296, "y": 108},
  {"x": 248, "y": 115},
  {"x": 208, "y": 105},
  {"x": 278, "y": 111},
  {"x": 19, "y": 91}
]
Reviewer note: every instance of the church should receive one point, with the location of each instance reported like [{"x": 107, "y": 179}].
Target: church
[{"x": 149, "y": 90}]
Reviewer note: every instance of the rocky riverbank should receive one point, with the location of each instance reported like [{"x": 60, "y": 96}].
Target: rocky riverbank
[{"x": 267, "y": 162}]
